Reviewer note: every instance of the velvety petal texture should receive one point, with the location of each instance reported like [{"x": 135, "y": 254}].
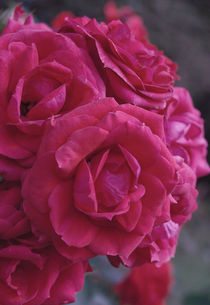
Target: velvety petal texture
[
  {"x": 133, "y": 70},
  {"x": 13, "y": 221},
  {"x": 105, "y": 174},
  {"x": 43, "y": 75},
  {"x": 32, "y": 274},
  {"x": 159, "y": 246},
  {"x": 99, "y": 155}
]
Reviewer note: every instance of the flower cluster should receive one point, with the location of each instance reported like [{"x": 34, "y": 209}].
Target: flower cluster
[{"x": 99, "y": 154}]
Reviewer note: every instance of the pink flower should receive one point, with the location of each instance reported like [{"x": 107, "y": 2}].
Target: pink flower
[
  {"x": 13, "y": 221},
  {"x": 134, "y": 72},
  {"x": 128, "y": 16},
  {"x": 31, "y": 275},
  {"x": 146, "y": 285},
  {"x": 100, "y": 181},
  {"x": 43, "y": 74},
  {"x": 184, "y": 130}
]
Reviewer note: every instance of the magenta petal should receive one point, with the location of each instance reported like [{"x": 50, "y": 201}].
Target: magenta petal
[
  {"x": 21, "y": 253},
  {"x": 110, "y": 241},
  {"x": 129, "y": 134},
  {"x": 78, "y": 231},
  {"x": 113, "y": 119},
  {"x": 74, "y": 228},
  {"x": 153, "y": 120},
  {"x": 132, "y": 162},
  {"x": 97, "y": 163},
  {"x": 69, "y": 281},
  {"x": 78, "y": 146},
  {"x": 84, "y": 190},
  {"x": 165, "y": 231},
  {"x": 26, "y": 59},
  {"x": 130, "y": 219},
  {"x": 13, "y": 109},
  {"x": 41, "y": 179},
  {"x": 72, "y": 253},
  {"x": 9, "y": 146},
  {"x": 49, "y": 105}
]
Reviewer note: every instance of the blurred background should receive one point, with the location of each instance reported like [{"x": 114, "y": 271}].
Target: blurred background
[{"x": 181, "y": 29}]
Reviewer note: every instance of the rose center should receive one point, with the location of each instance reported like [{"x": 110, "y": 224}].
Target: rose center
[
  {"x": 25, "y": 107},
  {"x": 113, "y": 182}
]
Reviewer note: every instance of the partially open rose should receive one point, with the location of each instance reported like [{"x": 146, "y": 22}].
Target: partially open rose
[
  {"x": 37, "y": 276},
  {"x": 100, "y": 181},
  {"x": 184, "y": 130},
  {"x": 134, "y": 72},
  {"x": 43, "y": 74}
]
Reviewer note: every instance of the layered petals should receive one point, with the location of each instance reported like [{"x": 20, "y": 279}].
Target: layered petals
[
  {"x": 44, "y": 75},
  {"x": 105, "y": 174},
  {"x": 133, "y": 70}
]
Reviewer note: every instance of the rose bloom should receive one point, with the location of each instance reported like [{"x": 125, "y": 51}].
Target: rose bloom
[
  {"x": 128, "y": 16},
  {"x": 184, "y": 130},
  {"x": 13, "y": 221},
  {"x": 31, "y": 275},
  {"x": 134, "y": 72},
  {"x": 43, "y": 74},
  {"x": 100, "y": 181},
  {"x": 145, "y": 285}
]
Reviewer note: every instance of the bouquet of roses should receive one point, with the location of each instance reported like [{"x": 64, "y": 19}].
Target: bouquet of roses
[{"x": 99, "y": 153}]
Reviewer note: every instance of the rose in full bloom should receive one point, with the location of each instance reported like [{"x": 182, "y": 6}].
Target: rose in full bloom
[
  {"x": 43, "y": 74},
  {"x": 13, "y": 221},
  {"x": 31, "y": 275},
  {"x": 100, "y": 181},
  {"x": 128, "y": 16},
  {"x": 184, "y": 130},
  {"x": 146, "y": 285},
  {"x": 133, "y": 71}
]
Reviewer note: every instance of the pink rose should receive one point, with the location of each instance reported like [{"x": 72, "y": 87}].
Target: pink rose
[
  {"x": 43, "y": 75},
  {"x": 13, "y": 221},
  {"x": 134, "y": 72},
  {"x": 31, "y": 275},
  {"x": 184, "y": 130},
  {"x": 146, "y": 285},
  {"x": 101, "y": 179}
]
